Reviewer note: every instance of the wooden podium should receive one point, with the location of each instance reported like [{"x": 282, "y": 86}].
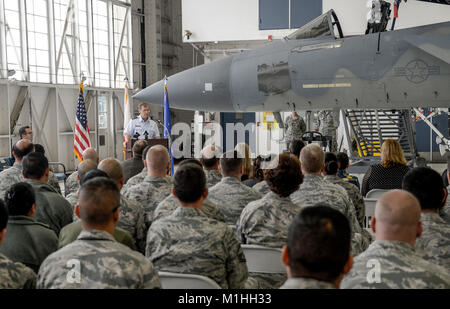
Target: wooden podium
[{"x": 150, "y": 142}]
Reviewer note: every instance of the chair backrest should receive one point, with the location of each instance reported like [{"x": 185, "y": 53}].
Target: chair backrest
[
  {"x": 55, "y": 167},
  {"x": 263, "y": 259},
  {"x": 376, "y": 193},
  {"x": 370, "y": 212},
  {"x": 186, "y": 281}
]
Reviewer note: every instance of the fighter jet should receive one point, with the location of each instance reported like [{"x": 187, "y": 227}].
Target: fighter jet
[{"x": 316, "y": 67}]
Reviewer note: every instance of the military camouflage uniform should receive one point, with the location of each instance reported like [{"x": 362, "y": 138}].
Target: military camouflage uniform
[
  {"x": 212, "y": 177},
  {"x": 189, "y": 242},
  {"x": 434, "y": 243},
  {"x": 295, "y": 127},
  {"x": 315, "y": 189},
  {"x": 400, "y": 268},
  {"x": 327, "y": 128},
  {"x": 15, "y": 275},
  {"x": 444, "y": 212},
  {"x": 306, "y": 283},
  {"x": 51, "y": 208},
  {"x": 150, "y": 193},
  {"x": 104, "y": 263},
  {"x": 354, "y": 195},
  {"x": 132, "y": 219},
  {"x": 72, "y": 184},
  {"x": 167, "y": 206},
  {"x": 9, "y": 177},
  {"x": 262, "y": 187},
  {"x": 231, "y": 196},
  {"x": 136, "y": 179},
  {"x": 265, "y": 222},
  {"x": 70, "y": 233}
]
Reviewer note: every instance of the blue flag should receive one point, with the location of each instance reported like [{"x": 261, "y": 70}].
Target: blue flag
[{"x": 168, "y": 124}]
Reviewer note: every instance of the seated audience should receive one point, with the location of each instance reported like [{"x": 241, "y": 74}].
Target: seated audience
[
  {"x": 258, "y": 173},
  {"x": 52, "y": 179},
  {"x": 13, "y": 275},
  {"x": 427, "y": 186},
  {"x": 230, "y": 194},
  {"x": 155, "y": 187},
  {"x": 331, "y": 170},
  {"x": 83, "y": 167},
  {"x": 315, "y": 189},
  {"x": 13, "y": 174},
  {"x": 390, "y": 262},
  {"x": 317, "y": 254},
  {"x": 73, "y": 181},
  {"x": 296, "y": 146},
  {"x": 210, "y": 160},
  {"x": 390, "y": 172},
  {"x": 70, "y": 232},
  {"x": 51, "y": 208},
  {"x": 189, "y": 242},
  {"x": 263, "y": 222},
  {"x": 27, "y": 241},
  {"x": 96, "y": 258},
  {"x": 343, "y": 165},
  {"x": 167, "y": 206}
]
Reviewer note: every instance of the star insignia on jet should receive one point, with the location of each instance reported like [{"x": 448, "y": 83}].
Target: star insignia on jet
[{"x": 417, "y": 71}]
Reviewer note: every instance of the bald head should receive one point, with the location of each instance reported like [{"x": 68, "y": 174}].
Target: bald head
[
  {"x": 111, "y": 167},
  {"x": 397, "y": 217},
  {"x": 157, "y": 160},
  {"x": 21, "y": 149},
  {"x": 312, "y": 159},
  {"x": 90, "y": 154},
  {"x": 86, "y": 166}
]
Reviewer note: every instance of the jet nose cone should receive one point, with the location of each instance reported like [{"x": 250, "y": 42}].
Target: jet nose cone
[
  {"x": 153, "y": 94},
  {"x": 204, "y": 88}
]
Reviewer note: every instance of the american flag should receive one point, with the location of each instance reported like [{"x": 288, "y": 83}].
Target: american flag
[{"x": 82, "y": 135}]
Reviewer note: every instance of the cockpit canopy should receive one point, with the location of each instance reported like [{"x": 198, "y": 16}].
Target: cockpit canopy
[{"x": 321, "y": 26}]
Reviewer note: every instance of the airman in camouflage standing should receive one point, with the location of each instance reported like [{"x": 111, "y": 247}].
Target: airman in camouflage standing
[
  {"x": 327, "y": 127},
  {"x": 390, "y": 262},
  {"x": 295, "y": 126},
  {"x": 95, "y": 259}
]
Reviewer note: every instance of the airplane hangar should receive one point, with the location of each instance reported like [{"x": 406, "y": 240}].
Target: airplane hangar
[
  {"x": 48, "y": 47},
  {"x": 224, "y": 72}
]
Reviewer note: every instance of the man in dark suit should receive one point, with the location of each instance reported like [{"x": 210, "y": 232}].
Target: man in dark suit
[{"x": 134, "y": 165}]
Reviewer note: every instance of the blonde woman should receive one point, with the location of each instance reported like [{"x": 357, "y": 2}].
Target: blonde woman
[
  {"x": 390, "y": 172},
  {"x": 248, "y": 166}
]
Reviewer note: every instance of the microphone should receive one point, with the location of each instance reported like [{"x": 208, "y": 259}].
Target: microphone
[{"x": 167, "y": 130}]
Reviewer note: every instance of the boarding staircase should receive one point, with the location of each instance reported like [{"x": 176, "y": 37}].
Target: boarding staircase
[{"x": 371, "y": 127}]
